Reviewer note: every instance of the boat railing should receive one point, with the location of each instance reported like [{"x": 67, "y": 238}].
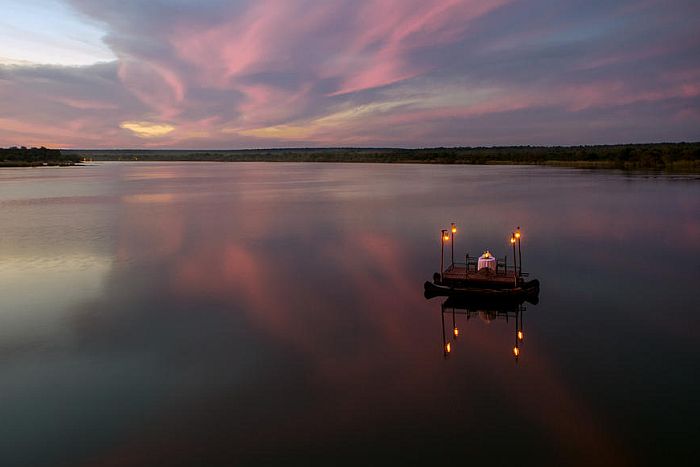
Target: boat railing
[
  {"x": 504, "y": 314},
  {"x": 471, "y": 264}
]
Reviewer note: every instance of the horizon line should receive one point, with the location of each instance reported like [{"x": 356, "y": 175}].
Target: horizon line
[{"x": 414, "y": 148}]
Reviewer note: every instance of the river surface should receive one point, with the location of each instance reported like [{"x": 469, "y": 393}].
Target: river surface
[{"x": 273, "y": 314}]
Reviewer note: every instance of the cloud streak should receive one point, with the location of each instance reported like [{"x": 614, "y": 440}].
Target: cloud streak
[{"x": 371, "y": 73}]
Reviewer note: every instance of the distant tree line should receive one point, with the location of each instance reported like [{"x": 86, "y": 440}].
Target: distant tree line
[
  {"x": 22, "y": 156},
  {"x": 632, "y": 156}
]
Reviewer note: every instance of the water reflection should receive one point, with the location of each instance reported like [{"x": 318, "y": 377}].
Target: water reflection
[
  {"x": 208, "y": 313},
  {"x": 461, "y": 311}
]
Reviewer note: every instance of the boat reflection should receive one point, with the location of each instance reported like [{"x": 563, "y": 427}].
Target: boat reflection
[{"x": 460, "y": 311}]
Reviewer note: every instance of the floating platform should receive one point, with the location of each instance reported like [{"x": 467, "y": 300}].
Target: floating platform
[{"x": 500, "y": 284}]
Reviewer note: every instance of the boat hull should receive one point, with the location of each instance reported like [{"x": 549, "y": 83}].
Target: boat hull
[{"x": 526, "y": 291}]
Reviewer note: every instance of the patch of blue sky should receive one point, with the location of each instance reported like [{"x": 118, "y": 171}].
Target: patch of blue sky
[{"x": 49, "y": 32}]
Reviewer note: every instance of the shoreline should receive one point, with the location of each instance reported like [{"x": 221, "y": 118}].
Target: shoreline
[
  {"x": 37, "y": 164},
  {"x": 654, "y": 156},
  {"x": 680, "y": 167},
  {"x": 660, "y": 157}
]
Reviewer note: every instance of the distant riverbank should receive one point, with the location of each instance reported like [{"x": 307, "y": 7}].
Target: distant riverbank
[
  {"x": 36, "y": 157},
  {"x": 672, "y": 157},
  {"x": 662, "y": 156},
  {"x": 36, "y": 164}
]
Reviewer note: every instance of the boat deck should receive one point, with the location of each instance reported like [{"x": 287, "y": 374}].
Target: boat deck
[{"x": 459, "y": 273}]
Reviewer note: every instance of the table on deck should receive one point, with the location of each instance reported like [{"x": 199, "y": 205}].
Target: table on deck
[{"x": 489, "y": 263}]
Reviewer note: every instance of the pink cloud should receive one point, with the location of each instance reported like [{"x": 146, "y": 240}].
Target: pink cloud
[
  {"x": 400, "y": 27},
  {"x": 266, "y": 104},
  {"x": 616, "y": 93},
  {"x": 155, "y": 84},
  {"x": 369, "y": 52},
  {"x": 260, "y": 39},
  {"x": 265, "y": 72}
]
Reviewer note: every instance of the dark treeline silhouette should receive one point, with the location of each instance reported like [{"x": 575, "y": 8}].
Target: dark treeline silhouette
[
  {"x": 643, "y": 156},
  {"x": 21, "y": 156}
]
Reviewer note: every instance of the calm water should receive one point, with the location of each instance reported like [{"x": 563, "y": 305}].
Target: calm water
[{"x": 255, "y": 314}]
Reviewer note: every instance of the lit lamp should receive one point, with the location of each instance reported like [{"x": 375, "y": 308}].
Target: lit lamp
[
  {"x": 448, "y": 348},
  {"x": 516, "y": 352},
  {"x": 443, "y": 238},
  {"x": 520, "y": 335},
  {"x": 515, "y": 265},
  {"x": 456, "y": 332},
  {"x": 453, "y": 229}
]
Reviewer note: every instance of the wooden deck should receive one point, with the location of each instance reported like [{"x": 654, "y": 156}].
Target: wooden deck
[{"x": 459, "y": 273}]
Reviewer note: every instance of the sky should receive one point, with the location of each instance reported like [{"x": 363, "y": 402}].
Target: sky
[{"x": 215, "y": 74}]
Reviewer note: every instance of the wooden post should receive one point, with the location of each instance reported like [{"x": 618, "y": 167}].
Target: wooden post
[
  {"x": 520, "y": 257},
  {"x": 453, "y": 229},
  {"x": 442, "y": 253},
  {"x": 515, "y": 266},
  {"x": 443, "y": 234}
]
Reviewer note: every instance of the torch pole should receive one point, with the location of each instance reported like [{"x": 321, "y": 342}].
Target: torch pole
[
  {"x": 520, "y": 257},
  {"x": 453, "y": 230},
  {"x": 515, "y": 266},
  {"x": 442, "y": 253}
]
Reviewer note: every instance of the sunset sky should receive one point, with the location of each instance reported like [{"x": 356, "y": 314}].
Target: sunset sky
[{"x": 290, "y": 73}]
